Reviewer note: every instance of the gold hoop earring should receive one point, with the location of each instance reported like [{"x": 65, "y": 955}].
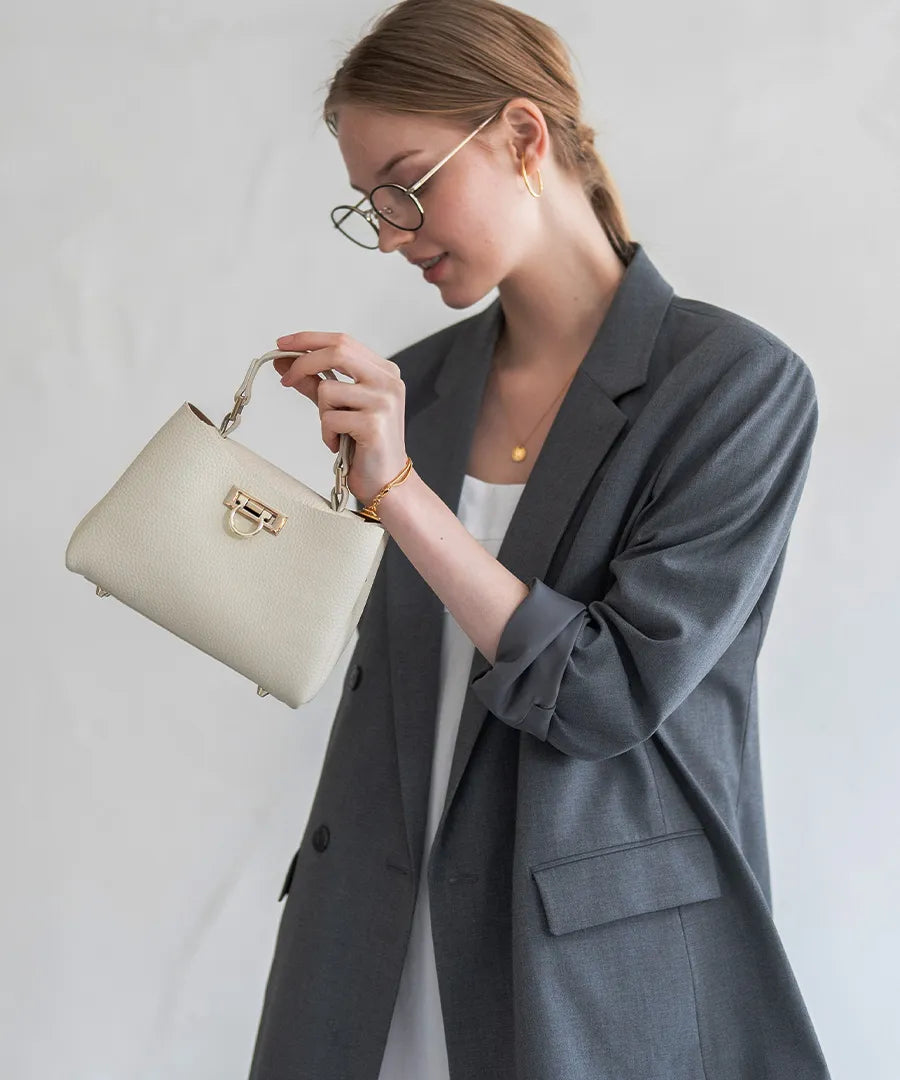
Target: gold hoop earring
[{"x": 536, "y": 194}]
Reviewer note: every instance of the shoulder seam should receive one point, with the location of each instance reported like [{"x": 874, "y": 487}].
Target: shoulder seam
[{"x": 684, "y": 303}]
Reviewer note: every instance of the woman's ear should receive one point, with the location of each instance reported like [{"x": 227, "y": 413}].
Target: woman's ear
[{"x": 532, "y": 138}]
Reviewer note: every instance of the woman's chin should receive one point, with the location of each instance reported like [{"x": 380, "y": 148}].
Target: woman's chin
[{"x": 457, "y": 295}]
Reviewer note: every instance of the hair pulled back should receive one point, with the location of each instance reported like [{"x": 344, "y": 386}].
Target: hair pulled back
[{"x": 462, "y": 60}]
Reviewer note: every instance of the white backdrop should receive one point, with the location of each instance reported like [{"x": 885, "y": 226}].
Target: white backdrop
[{"x": 165, "y": 185}]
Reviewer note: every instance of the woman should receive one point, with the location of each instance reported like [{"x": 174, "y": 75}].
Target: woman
[{"x": 537, "y": 848}]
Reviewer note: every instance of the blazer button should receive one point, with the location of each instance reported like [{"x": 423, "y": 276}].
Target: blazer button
[
  {"x": 354, "y": 676},
  {"x": 320, "y": 838}
]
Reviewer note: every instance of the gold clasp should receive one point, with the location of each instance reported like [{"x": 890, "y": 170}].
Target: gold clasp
[{"x": 244, "y": 504}]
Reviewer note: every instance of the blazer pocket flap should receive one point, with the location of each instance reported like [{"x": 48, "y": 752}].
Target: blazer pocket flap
[{"x": 649, "y": 875}]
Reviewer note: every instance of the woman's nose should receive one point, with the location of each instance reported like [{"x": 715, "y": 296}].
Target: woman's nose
[{"x": 390, "y": 237}]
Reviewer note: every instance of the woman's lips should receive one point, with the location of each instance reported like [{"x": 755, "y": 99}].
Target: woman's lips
[{"x": 433, "y": 272}]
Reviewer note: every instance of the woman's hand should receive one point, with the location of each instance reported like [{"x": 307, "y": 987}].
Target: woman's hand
[{"x": 371, "y": 409}]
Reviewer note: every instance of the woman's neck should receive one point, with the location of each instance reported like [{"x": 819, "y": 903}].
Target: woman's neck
[{"x": 553, "y": 307}]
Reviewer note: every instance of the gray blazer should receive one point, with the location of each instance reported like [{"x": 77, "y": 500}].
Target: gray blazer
[{"x": 600, "y": 898}]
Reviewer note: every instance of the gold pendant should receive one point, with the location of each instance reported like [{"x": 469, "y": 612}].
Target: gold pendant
[{"x": 519, "y": 453}]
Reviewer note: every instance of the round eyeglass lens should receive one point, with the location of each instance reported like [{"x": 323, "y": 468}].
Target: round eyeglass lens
[
  {"x": 396, "y": 206},
  {"x": 355, "y": 225}
]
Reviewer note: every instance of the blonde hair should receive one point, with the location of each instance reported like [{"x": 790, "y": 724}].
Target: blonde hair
[{"x": 463, "y": 60}]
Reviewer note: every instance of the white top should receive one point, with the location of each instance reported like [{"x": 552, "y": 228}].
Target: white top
[{"x": 416, "y": 1048}]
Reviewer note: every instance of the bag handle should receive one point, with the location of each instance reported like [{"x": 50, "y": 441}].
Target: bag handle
[{"x": 344, "y": 459}]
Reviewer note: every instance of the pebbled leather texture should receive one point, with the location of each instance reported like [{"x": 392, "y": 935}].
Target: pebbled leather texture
[{"x": 278, "y": 609}]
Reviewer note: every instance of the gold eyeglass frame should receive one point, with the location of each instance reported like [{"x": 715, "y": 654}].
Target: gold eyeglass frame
[{"x": 371, "y": 215}]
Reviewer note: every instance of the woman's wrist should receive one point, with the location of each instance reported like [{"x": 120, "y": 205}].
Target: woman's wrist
[
  {"x": 371, "y": 508},
  {"x": 402, "y": 500}
]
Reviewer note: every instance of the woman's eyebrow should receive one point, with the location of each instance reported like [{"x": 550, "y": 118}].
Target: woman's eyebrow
[{"x": 385, "y": 169}]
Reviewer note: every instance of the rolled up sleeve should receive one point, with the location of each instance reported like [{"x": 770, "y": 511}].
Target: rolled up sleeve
[
  {"x": 523, "y": 684},
  {"x": 596, "y": 679}
]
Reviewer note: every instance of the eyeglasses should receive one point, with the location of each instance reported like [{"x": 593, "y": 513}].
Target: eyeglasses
[{"x": 397, "y": 205}]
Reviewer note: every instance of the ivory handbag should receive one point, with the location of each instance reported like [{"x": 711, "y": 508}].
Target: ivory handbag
[{"x": 232, "y": 554}]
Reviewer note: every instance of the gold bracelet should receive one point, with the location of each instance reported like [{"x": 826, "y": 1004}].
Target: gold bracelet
[{"x": 371, "y": 511}]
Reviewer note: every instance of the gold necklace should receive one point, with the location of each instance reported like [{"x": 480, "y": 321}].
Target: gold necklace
[{"x": 519, "y": 452}]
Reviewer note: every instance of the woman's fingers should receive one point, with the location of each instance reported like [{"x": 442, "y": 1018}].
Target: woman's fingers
[
  {"x": 369, "y": 406},
  {"x": 305, "y": 384},
  {"x": 340, "y": 352}
]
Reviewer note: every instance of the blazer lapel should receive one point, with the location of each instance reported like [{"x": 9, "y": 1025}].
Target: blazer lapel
[{"x": 438, "y": 439}]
